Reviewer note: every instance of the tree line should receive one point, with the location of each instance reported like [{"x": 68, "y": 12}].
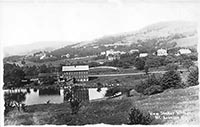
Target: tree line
[{"x": 14, "y": 74}]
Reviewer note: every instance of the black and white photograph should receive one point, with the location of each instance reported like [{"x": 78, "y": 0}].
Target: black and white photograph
[{"x": 99, "y": 62}]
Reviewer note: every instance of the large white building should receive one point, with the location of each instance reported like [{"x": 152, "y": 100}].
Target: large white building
[
  {"x": 162, "y": 52},
  {"x": 79, "y": 72},
  {"x": 112, "y": 52}
]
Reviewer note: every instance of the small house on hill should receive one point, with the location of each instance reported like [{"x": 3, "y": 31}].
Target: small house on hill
[
  {"x": 143, "y": 54},
  {"x": 133, "y": 51},
  {"x": 162, "y": 52},
  {"x": 185, "y": 51}
]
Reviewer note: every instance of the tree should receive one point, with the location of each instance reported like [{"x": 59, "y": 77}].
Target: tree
[
  {"x": 23, "y": 62},
  {"x": 48, "y": 80},
  {"x": 171, "y": 66},
  {"x": 146, "y": 68},
  {"x": 139, "y": 63},
  {"x": 192, "y": 79},
  {"x": 75, "y": 105},
  {"x": 93, "y": 64},
  {"x": 149, "y": 86},
  {"x": 171, "y": 79},
  {"x": 169, "y": 59},
  {"x": 43, "y": 69},
  {"x": 153, "y": 62},
  {"x": 13, "y": 75},
  {"x": 136, "y": 116},
  {"x": 182, "y": 57},
  {"x": 187, "y": 63},
  {"x": 31, "y": 71}
]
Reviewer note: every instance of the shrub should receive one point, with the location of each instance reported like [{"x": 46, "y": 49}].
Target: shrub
[
  {"x": 153, "y": 61},
  {"x": 187, "y": 63},
  {"x": 169, "y": 59},
  {"x": 171, "y": 66},
  {"x": 138, "y": 117},
  {"x": 171, "y": 79},
  {"x": 141, "y": 87},
  {"x": 193, "y": 77},
  {"x": 149, "y": 82},
  {"x": 152, "y": 80},
  {"x": 75, "y": 105},
  {"x": 139, "y": 63},
  {"x": 112, "y": 91},
  {"x": 153, "y": 90},
  {"x": 146, "y": 69}
]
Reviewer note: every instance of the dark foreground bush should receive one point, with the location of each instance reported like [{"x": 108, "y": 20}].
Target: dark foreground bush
[
  {"x": 75, "y": 105},
  {"x": 193, "y": 77},
  {"x": 138, "y": 117}
]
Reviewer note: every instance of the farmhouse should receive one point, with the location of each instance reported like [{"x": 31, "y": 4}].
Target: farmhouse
[
  {"x": 79, "y": 72},
  {"x": 143, "y": 54},
  {"x": 185, "y": 51},
  {"x": 113, "y": 57},
  {"x": 103, "y": 53},
  {"x": 133, "y": 51},
  {"x": 66, "y": 55},
  {"x": 162, "y": 52}
]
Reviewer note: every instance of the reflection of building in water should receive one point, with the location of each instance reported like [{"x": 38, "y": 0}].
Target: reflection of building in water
[
  {"x": 49, "y": 91},
  {"x": 80, "y": 93},
  {"x": 79, "y": 72}
]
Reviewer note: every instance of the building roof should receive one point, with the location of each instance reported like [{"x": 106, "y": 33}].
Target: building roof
[
  {"x": 143, "y": 54},
  {"x": 76, "y": 68}
]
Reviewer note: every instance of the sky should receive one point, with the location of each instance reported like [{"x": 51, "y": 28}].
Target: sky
[{"x": 29, "y": 22}]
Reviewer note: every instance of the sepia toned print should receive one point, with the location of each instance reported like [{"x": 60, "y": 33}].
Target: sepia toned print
[{"x": 116, "y": 63}]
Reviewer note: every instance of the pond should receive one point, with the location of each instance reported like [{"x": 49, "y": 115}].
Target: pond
[{"x": 41, "y": 96}]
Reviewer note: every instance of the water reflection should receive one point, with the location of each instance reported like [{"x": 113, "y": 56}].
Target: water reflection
[
  {"x": 34, "y": 90},
  {"x": 49, "y": 91},
  {"x": 77, "y": 92},
  {"x": 98, "y": 89},
  {"x": 28, "y": 90},
  {"x": 41, "y": 96}
]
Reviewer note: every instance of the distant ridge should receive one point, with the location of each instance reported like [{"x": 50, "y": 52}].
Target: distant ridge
[{"x": 183, "y": 33}]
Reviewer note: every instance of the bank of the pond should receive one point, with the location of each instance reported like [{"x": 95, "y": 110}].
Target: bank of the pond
[
  {"x": 105, "y": 111},
  {"x": 173, "y": 106}
]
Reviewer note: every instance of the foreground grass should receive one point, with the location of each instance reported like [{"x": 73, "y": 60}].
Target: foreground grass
[
  {"x": 180, "y": 106},
  {"x": 124, "y": 81},
  {"x": 109, "y": 112}
]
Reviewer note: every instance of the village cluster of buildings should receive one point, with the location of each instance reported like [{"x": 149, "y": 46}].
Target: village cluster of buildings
[
  {"x": 79, "y": 73},
  {"x": 112, "y": 55}
]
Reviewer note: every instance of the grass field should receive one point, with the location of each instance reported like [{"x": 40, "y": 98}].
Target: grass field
[
  {"x": 179, "y": 106},
  {"x": 129, "y": 81}
]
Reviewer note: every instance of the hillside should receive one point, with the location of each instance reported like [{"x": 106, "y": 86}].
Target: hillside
[
  {"x": 32, "y": 48},
  {"x": 160, "y": 35}
]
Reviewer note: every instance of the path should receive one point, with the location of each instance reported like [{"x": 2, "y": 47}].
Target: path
[{"x": 127, "y": 74}]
